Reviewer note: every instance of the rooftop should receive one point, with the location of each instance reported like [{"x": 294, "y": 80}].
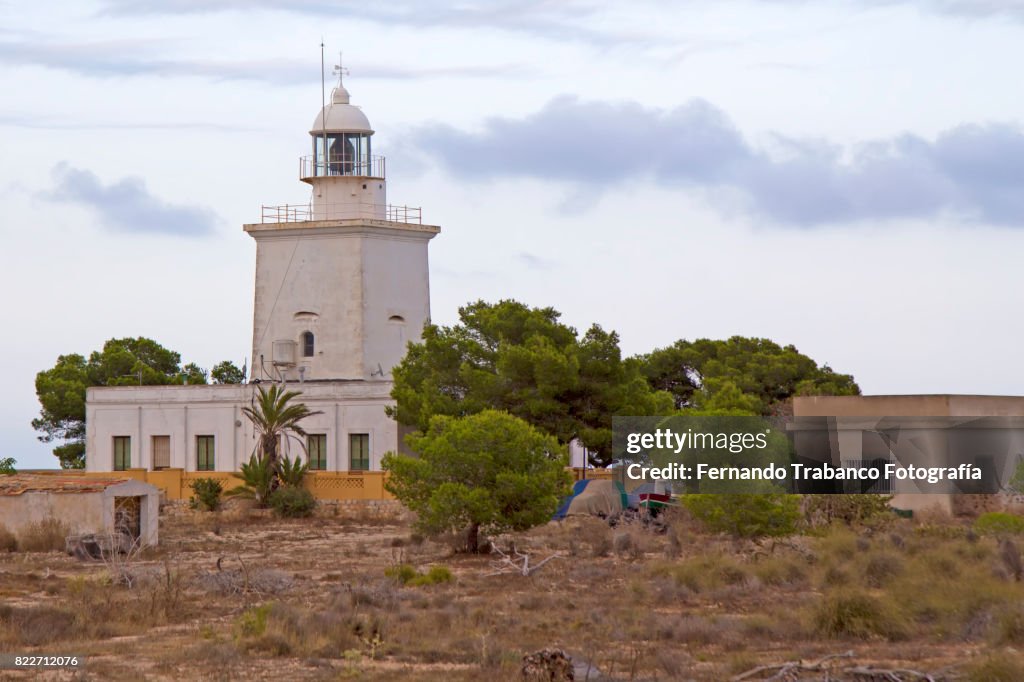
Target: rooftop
[{"x": 16, "y": 484}]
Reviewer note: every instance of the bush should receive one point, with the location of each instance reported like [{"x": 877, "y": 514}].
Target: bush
[
  {"x": 706, "y": 572},
  {"x": 292, "y": 503},
  {"x": 253, "y": 623},
  {"x": 999, "y": 523},
  {"x": 44, "y": 536},
  {"x": 997, "y": 667},
  {"x": 881, "y": 569},
  {"x": 858, "y": 615},
  {"x": 852, "y": 509},
  {"x": 746, "y": 515},
  {"x": 257, "y": 476},
  {"x": 208, "y": 492},
  {"x": 406, "y": 574},
  {"x": 8, "y": 542},
  {"x": 292, "y": 472}
]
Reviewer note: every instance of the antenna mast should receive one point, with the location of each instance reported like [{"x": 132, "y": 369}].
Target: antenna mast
[{"x": 323, "y": 106}]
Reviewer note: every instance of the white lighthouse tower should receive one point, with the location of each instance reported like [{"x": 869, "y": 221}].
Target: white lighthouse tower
[{"x": 342, "y": 284}]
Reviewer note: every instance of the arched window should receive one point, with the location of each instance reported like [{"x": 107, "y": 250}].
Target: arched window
[{"x": 308, "y": 345}]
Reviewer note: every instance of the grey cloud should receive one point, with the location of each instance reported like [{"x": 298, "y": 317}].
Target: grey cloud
[
  {"x": 968, "y": 8},
  {"x": 972, "y": 171},
  {"x": 128, "y": 206},
  {"x": 534, "y": 262},
  {"x": 560, "y": 21},
  {"x": 46, "y": 122},
  {"x": 107, "y": 59}
]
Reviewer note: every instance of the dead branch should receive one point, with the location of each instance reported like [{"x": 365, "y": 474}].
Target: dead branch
[
  {"x": 784, "y": 670},
  {"x": 518, "y": 562},
  {"x": 889, "y": 674}
]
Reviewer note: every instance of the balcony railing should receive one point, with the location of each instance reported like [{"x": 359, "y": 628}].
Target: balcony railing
[
  {"x": 313, "y": 167},
  {"x": 299, "y": 213}
]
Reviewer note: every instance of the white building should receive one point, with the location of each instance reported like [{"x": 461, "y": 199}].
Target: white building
[{"x": 342, "y": 285}]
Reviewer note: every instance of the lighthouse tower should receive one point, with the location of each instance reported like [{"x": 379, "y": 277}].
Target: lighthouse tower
[{"x": 342, "y": 283}]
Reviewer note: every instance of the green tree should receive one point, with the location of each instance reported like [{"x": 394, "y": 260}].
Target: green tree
[
  {"x": 489, "y": 472},
  {"x": 275, "y": 417},
  {"x": 508, "y": 356},
  {"x": 769, "y": 374},
  {"x": 192, "y": 374},
  {"x": 227, "y": 372},
  {"x": 122, "y": 362},
  {"x": 7, "y": 466}
]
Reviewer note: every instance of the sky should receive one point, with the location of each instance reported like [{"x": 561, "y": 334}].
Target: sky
[{"x": 845, "y": 176}]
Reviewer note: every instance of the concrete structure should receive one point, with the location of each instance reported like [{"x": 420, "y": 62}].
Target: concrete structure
[
  {"x": 924, "y": 430},
  {"x": 87, "y": 504},
  {"x": 341, "y": 286}
]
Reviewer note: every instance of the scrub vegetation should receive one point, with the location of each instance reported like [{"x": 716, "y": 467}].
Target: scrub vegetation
[{"x": 245, "y": 595}]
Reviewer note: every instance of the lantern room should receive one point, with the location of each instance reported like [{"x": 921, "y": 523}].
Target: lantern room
[{"x": 347, "y": 179}]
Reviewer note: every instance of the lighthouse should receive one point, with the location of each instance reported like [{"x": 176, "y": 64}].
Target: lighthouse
[
  {"x": 342, "y": 287},
  {"x": 342, "y": 283}
]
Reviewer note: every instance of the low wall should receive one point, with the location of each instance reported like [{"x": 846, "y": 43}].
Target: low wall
[{"x": 176, "y": 484}]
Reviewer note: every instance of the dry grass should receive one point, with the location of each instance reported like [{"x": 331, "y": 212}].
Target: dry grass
[
  {"x": 8, "y": 541},
  {"x": 43, "y": 536},
  {"x": 682, "y": 605}
]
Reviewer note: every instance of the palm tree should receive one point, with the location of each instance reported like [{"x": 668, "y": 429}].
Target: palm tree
[{"x": 274, "y": 415}]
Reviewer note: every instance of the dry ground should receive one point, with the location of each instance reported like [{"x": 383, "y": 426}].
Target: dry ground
[{"x": 309, "y": 600}]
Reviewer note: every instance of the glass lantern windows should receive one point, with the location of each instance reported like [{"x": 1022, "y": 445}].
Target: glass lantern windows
[{"x": 347, "y": 154}]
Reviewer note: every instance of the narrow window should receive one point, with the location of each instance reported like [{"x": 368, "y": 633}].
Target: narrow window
[
  {"x": 122, "y": 453},
  {"x": 316, "y": 450},
  {"x": 204, "y": 453},
  {"x": 359, "y": 451},
  {"x": 161, "y": 452},
  {"x": 307, "y": 344}
]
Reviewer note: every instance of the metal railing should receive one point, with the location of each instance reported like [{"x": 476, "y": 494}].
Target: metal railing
[
  {"x": 313, "y": 167},
  {"x": 299, "y": 213}
]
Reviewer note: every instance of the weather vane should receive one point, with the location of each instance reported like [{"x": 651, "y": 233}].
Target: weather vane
[{"x": 339, "y": 70}]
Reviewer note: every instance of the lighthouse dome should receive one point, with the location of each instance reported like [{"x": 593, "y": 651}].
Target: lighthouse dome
[{"x": 339, "y": 116}]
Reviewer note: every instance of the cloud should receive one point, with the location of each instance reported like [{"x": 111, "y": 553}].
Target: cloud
[
  {"x": 973, "y": 171},
  {"x": 557, "y": 21},
  {"x": 981, "y": 9},
  {"x": 535, "y": 262},
  {"x": 129, "y": 58},
  {"x": 127, "y": 205},
  {"x": 48, "y": 122}
]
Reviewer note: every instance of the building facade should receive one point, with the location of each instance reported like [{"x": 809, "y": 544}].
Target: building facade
[
  {"x": 921, "y": 430},
  {"x": 341, "y": 287}
]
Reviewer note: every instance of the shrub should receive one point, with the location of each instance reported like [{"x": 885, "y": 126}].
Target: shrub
[
  {"x": 999, "y": 667},
  {"x": 858, "y": 615},
  {"x": 435, "y": 576},
  {"x": 851, "y": 509},
  {"x": 257, "y": 476},
  {"x": 8, "y": 541},
  {"x": 746, "y": 515},
  {"x": 706, "y": 572},
  {"x": 35, "y": 625},
  {"x": 402, "y": 573},
  {"x": 208, "y": 492},
  {"x": 1008, "y": 628},
  {"x": 292, "y": 503},
  {"x": 253, "y": 622},
  {"x": 406, "y": 574},
  {"x": 44, "y": 536},
  {"x": 881, "y": 569},
  {"x": 999, "y": 523},
  {"x": 292, "y": 472}
]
